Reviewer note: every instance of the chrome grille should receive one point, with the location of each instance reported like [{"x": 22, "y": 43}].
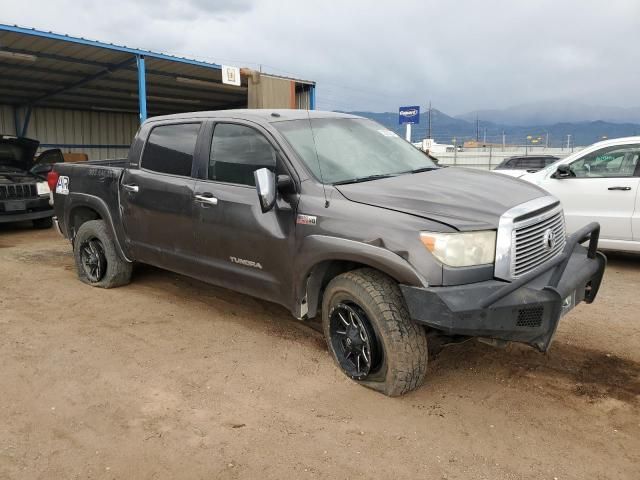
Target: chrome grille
[
  {"x": 520, "y": 247},
  {"x": 18, "y": 191},
  {"x": 537, "y": 240}
]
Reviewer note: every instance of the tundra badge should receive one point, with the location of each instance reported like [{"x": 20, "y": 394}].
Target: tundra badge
[{"x": 246, "y": 263}]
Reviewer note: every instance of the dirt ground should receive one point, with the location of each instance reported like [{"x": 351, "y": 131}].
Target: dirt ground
[{"x": 171, "y": 378}]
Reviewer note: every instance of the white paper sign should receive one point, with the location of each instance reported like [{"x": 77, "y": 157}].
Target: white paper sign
[{"x": 231, "y": 75}]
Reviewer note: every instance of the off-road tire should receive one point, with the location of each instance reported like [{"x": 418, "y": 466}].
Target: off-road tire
[
  {"x": 42, "y": 223},
  {"x": 404, "y": 343},
  {"x": 118, "y": 270}
]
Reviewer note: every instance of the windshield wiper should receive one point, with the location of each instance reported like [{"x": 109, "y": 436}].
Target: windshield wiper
[
  {"x": 423, "y": 169},
  {"x": 365, "y": 179}
]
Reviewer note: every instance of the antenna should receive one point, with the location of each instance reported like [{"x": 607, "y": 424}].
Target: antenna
[
  {"x": 429, "y": 128},
  {"x": 315, "y": 149}
]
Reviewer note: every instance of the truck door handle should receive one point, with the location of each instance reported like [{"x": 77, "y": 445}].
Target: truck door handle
[
  {"x": 206, "y": 198},
  {"x": 131, "y": 188},
  {"x": 619, "y": 188}
]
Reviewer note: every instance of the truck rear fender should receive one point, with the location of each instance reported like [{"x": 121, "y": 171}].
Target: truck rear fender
[
  {"x": 83, "y": 207},
  {"x": 322, "y": 258}
]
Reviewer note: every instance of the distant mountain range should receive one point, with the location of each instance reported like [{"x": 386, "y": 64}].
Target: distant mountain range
[
  {"x": 582, "y": 130},
  {"x": 546, "y": 113}
]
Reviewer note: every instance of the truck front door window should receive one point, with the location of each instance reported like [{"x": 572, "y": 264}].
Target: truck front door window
[
  {"x": 236, "y": 152},
  {"x": 170, "y": 149}
]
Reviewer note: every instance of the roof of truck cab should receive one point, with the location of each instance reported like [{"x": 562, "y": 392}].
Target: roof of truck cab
[{"x": 270, "y": 115}]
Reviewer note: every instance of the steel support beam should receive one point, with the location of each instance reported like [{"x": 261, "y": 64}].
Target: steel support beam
[
  {"x": 230, "y": 89},
  {"x": 142, "y": 89},
  {"x": 161, "y": 88},
  {"x": 85, "y": 80}
]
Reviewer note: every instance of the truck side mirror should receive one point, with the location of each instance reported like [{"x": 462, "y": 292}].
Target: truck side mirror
[
  {"x": 563, "y": 171},
  {"x": 266, "y": 188},
  {"x": 285, "y": 183}
]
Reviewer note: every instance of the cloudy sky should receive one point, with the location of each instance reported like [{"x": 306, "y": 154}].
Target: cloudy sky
[{"x": 372, "y": 55}]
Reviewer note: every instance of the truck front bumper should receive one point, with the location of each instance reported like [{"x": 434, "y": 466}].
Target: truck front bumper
[{"x": 526, "y": 310}]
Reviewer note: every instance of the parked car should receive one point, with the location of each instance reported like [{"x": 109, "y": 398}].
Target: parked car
[
  {"x": 599, "y": 183},
  {"x": 331, "y": 214},
  {"x": 24, "y": 193},
  {"x": 521, "y": 165}
]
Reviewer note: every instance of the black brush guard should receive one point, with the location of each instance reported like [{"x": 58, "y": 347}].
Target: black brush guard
[{"x": 526, "y": 310}]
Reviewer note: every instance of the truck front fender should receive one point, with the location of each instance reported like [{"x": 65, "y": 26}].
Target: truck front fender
[
  {"x": 319, "y": 252},
  {"x": 92, "y": 202}
]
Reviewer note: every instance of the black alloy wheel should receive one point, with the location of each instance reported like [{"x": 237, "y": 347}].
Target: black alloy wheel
[
  {"x": 354, "y": 341},
  {"x": 94, "y": 261}
]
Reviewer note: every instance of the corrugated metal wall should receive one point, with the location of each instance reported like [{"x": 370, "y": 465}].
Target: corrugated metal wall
[
  {"x": 303, "y": 98},
  {"x": 101, "y": 135},
  {"x": 7, "y": 123},
  {"x": 273, "y": 92},
  {"x": 269, "y": 92}
]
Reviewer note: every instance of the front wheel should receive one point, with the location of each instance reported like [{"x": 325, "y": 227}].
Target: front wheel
[{"x": 370, "y": 334}]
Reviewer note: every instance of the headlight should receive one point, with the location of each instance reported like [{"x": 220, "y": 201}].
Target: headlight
[
  {"x": 43, "y": 188},
  {"x": 461, "y": 249}
]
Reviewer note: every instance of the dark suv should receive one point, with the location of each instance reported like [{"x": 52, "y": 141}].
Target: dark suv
[
  {"x": 24, "y": 193},
  {"x": 519, "y": 165}
]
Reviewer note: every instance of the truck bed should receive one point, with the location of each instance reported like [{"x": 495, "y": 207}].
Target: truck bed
[{"x": 98, "y": 179}]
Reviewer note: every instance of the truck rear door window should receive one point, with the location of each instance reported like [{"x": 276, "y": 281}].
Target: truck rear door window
[
  {"x": 236, "y": 152},
  {"x": 170, "y": 149}
]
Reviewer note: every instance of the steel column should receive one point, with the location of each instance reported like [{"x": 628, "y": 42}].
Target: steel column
[
  {"x": 16, "y": 121},
  {"x": 27, "y": 118},
  {"x": 142, "y": 89},
  {"x": 312, "y": 98}
]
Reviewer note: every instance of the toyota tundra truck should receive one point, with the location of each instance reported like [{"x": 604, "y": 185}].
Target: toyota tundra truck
[{"x": 333, "y": 216}]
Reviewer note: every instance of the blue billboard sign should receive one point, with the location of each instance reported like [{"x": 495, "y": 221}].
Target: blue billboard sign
[{"x": 409, "y": 115}]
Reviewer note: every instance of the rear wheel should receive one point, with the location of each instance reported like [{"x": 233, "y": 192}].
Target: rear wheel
[
  {"x": 42, "y": 223},
  {"x": 97, "y": 261},
  {"x": 370, "y": 334}
]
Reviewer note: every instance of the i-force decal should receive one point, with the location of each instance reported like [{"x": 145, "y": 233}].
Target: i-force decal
[{"x": 306, "y": 219}]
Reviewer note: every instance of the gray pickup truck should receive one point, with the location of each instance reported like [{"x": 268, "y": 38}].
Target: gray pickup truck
[{"x": 333, "y": 215}]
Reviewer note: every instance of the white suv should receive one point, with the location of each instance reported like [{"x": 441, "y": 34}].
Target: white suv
[{"x": 599, "y": 183}]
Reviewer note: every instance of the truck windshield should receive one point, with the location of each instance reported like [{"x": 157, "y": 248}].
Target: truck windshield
[{"x": 352, "y": 150}]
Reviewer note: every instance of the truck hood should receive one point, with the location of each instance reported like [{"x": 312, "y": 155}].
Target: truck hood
[
  {"x": 18, "y": 152},
  {"x": 462, "y": 198}
]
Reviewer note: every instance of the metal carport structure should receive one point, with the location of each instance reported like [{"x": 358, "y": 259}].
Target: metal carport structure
[{"x": 55, "y": 77}]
